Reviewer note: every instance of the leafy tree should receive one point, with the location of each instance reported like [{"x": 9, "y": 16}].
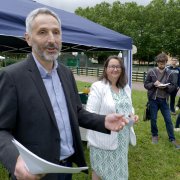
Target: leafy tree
[{"x": 154, "y": 28}]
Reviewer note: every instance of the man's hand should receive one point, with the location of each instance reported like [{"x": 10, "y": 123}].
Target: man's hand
[
  {"x": 22, "y": 173},
  {"x": 157, "y": 83},
  {"x": 115, "y": 122}
]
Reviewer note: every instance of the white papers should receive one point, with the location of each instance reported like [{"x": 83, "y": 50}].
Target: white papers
[
  {"x": 37, "y": 165},
  {"x": 163, "y": 85}
]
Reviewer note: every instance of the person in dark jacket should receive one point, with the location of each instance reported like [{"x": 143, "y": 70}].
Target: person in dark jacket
[
  {"x": 176, "y": 70},
  {"x": 40, "y": 106},
  {"x": 160, "y": 83}
]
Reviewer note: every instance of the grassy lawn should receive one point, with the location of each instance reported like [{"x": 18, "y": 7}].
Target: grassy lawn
[{"x": 146, "y": 160}]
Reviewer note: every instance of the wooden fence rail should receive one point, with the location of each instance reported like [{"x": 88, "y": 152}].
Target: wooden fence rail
[{"x": 136, "y": 75}]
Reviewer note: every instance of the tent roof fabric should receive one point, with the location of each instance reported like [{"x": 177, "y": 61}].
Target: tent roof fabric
[{"x": 78, "y": 33}]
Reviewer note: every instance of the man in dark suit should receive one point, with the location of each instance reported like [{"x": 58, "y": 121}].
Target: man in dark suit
[{"x": 40, "y": 106}]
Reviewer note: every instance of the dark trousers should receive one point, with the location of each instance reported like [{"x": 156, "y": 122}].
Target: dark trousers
[
  {"x": 177, "y": 121},
  {"x": 172, "y": 100},
  {"x": 62, "y": 176},
  {"x": 161, "y": 104},
  {"x": 65, "y": 177},
  {"x": 178, "y": 103}
]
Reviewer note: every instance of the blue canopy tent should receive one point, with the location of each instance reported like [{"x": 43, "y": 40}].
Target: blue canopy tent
[{"x": 78, "y": 34}]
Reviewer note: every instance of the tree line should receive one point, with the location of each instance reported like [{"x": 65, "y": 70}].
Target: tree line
[{"x": 154, "y": 28}]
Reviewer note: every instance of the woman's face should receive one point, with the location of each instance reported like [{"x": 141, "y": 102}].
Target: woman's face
[{"x": 113, "y": 70}]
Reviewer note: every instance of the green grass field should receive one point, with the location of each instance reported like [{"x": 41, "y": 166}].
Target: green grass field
[{"x": 147, "y": 161}]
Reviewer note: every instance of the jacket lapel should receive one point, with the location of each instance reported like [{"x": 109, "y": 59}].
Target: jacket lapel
[
  {"x": 36, "y": 77},
  {"x": 64, "y": 82}
]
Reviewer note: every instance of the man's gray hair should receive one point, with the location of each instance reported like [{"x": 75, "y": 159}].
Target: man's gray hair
[{"x": 33, "y": 14}]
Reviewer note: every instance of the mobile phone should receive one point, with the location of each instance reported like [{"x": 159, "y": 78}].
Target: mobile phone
[{"x": 131, "y": 122}]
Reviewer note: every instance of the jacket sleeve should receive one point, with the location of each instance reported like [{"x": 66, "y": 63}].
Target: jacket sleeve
[
  {"x": 8, "y": 152},
  {"x": 149, "y": 80},
  {"x": 179, "y": 77},
  {"x": 94, "y": 99},
  {"x": 172, "y": 86},
  {"x": 128, "y": 90},
  {"x": 86, "y": 119}
]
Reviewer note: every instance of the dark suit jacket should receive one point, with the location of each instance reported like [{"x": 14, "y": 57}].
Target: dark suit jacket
[{"x": 26, "y": 114}]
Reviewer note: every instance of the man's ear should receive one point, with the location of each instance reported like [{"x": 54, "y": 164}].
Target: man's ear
[{"x": 27, "y": 38}]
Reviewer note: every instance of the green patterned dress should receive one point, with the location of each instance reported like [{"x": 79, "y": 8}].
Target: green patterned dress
[{"x": 113, "y": 164}]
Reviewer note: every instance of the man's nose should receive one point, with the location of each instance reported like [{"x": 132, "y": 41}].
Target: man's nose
[{"x": 51, "y": 37}]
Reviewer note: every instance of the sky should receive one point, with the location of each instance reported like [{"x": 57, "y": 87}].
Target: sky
[{"x": 72, "y": 5}]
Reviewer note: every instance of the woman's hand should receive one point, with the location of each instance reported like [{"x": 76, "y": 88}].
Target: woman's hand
[{"x": 134, "y": 117}]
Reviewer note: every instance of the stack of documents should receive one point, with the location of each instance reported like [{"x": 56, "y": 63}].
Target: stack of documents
[
  {"x": 37, "y": 165},
  {"x": 163, "y": 85}
]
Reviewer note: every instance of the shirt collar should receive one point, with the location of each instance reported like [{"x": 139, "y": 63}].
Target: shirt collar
[{"x": 44, "y": 73}]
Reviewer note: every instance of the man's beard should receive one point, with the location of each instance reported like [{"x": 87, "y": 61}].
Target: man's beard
[{"x": 48, "y": 57}]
